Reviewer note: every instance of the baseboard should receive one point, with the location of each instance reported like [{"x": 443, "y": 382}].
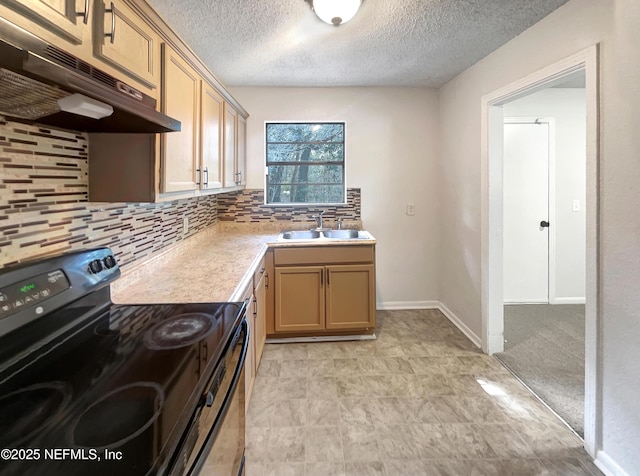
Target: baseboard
[
  {"x": 508, "y": 302},
  {"x": 302, "y": 340},
  {"x": 455, "y": 320},
  {"x": 609, "y": 467},
  {"x": 400, "y": 305},
  {"x": 568, "y": 300}
]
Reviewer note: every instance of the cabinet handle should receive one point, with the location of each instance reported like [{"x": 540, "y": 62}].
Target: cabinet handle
[
  {"x": 206, "y": 177},
  {"x": 238, "y": 178},
  {"x": 266, "y": 280},
  {"x": 85, "y": 14},
  {"x": 112, "y": 10},
  {"x": 262, "y": 270},
  {"x": 328, "y": 274},
  {"x": 199, "y": 174},
  {"x": 322, "y": 277}
]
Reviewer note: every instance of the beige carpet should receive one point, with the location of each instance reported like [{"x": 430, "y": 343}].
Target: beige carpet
[{"x": 544, "y": 347}]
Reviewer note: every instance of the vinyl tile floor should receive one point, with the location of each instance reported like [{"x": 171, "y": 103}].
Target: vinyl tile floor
[{"x": 419, "y": 400}]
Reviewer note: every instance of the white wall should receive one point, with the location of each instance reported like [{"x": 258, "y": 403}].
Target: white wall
[
  {"x": 391, "y": 150},
  {"x": 573, "y": 27},
  {"x": 568, "y": 108}
]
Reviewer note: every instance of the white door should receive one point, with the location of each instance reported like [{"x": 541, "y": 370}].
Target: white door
[{"x": 526, "y": 211}]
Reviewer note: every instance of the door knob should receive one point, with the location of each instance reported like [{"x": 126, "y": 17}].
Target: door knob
[{"x": 544, "y": 224}]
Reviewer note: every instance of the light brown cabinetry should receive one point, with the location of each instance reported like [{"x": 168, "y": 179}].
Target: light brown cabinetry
[
  {"x": 64, "y": 18},
  {"x": 211, "y": 138},
  {"x": 110, "y": 35},
  {"x": 299, "y": 298},
  {"x": 180, "y": 99},
  {"x": 256, "y": 317},
  {"x": 260, "y": 303},
  {"x": 230, "y": 145},
  {"x": 124, "y": 41},
  {"x": 320, "y": 290},
  {"x": 241, "y": 152}
]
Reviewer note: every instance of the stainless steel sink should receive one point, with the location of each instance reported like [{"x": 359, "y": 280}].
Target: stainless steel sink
[
  {"x": 301, "y": 235},
  {"x": 341, "y": 234}
]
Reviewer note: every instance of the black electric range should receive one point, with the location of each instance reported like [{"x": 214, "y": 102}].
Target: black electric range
[{"x": 88, "y": 387}]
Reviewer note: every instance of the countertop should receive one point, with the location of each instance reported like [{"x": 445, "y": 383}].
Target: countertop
[{"x": 215, "y": 265}]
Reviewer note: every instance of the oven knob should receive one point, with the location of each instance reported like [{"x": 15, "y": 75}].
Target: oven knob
[
  {"x": 109, "y": 262},
  {"x": 95, "y": 266}
]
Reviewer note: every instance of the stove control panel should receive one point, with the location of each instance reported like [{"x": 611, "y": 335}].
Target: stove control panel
[
  {"x": 32, "y": 291},
  {"x": 35, "y": 289}
]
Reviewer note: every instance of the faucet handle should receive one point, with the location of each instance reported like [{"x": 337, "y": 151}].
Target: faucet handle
[{"x": 340, "y": 223}]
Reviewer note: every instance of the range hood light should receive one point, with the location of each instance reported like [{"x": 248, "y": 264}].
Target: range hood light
[{"x": 85, "y": 106}]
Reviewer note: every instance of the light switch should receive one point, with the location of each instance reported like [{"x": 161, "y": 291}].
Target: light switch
[
  {"x": 576, "y": 206},
  {"x": 185, "y": 224},
  {"x": 411, "y": 209}
]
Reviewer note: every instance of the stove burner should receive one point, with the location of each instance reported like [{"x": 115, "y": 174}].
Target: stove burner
[
  {"x": 27, "y": 411},
  {"x": 178, "y": 331},
  {"x": 120, "y": 416}
]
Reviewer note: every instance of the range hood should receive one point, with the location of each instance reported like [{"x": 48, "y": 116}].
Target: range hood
[{"x": 43, "y": 84}]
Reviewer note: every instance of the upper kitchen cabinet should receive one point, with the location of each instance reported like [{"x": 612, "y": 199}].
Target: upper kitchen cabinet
[
  {"x": 180, "y": 99},
  {"x": 235, "y": 137},
  {"x": 112, "y": 37},
  {"x": 230, "y": 145},
  {"x": 241, "y": 152},
  {"x": 212, "y": 120},
  {"x": 122, "y": 40},
  {"x": 64, "y": 18}
]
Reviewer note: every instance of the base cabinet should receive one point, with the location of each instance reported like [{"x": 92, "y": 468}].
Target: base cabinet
[
  {"x": 299, "y": 298},
  {"x": 324, "y": 298},
  {"x": 350, "y": 297}
]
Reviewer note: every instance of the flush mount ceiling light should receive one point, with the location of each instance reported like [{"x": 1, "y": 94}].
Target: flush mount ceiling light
[{"x": 335, "y": 12}]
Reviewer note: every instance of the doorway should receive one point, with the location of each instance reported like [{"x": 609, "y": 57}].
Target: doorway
[
  {"x": 492, "y": 279},
  {"x": 543, "y": 197}
]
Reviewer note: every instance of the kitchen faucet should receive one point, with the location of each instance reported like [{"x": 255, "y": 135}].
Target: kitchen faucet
[{"x": 318, "y": 219}]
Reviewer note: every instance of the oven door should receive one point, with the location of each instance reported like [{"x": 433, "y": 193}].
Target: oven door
[{"x": 215, "y": 440}]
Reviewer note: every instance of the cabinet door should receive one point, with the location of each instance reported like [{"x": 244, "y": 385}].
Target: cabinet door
[
  {"x": 299, "y": 299},
  {"x": 250, "y": 363},
  {"x": 230, "y": 145},
  {"x": 241, "y": 157},
  {"x": 123, "y": 40},
  {"x": 61, "y": 17},
  {"x": 350, "y": 296},
  {"x": 180, "y": 99},
  {"x": 261, "y": 318},
  {"x": 211, "y": 148}
]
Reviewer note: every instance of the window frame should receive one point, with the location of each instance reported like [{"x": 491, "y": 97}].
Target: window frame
[{"x": 343, "y": 163}]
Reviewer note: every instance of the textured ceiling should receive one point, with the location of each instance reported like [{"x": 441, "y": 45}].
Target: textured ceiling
[{"x": 388, "y": 43}]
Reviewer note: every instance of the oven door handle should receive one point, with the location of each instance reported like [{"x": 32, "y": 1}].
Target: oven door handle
[{"x": 237, "y": 374}]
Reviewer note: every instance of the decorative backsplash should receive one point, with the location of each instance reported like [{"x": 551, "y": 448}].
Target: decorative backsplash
[
  {"x": 44, "y": 206},
  {"x": 247, "y": 206}
]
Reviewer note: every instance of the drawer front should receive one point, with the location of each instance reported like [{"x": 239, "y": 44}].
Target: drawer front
[{"x": 324, "y": 255}]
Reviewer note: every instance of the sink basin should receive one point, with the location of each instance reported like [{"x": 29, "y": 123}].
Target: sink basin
[
  {"x": 341, "y": 234},
  {"x": 301, "y": 235}
]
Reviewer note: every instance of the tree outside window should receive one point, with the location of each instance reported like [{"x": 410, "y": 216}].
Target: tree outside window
[{"x": 305, "y": 163}]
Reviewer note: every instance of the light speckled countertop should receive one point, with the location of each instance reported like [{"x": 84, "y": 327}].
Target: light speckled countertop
[{"x": 215, "y": 265}]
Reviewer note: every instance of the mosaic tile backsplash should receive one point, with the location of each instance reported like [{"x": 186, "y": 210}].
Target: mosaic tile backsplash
[
  {"x": 248, "y": 206},
  {"x": 44, "y": 206}
]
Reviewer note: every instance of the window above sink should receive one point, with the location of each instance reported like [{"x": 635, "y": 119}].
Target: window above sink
[{"x": 305, "y": 163}]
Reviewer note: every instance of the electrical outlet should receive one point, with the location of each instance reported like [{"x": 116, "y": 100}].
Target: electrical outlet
[
  {"x": 411, "y": 209},
  {"x": 185, "y": 224}
]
